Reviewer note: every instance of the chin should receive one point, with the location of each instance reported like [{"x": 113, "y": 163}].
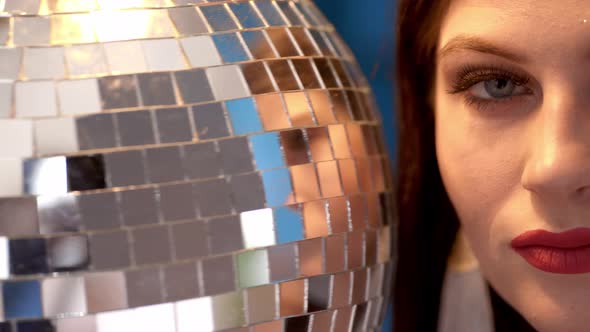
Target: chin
[{"x": 555, "y": 303}]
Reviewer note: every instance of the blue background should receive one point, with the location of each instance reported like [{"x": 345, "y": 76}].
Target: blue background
[{"x": 368, "y": 27}]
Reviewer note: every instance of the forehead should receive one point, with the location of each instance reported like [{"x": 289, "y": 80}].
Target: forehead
[{"x": 539, "y": 25}]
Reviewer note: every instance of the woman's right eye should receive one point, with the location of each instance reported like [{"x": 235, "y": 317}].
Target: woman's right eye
[{"x": 498, "y": 88}]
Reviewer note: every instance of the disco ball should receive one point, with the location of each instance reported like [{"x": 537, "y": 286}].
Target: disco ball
[{"x": 184, "y": 166}]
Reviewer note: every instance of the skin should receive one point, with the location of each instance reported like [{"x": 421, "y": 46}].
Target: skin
[{"x": 521, "y": 163}]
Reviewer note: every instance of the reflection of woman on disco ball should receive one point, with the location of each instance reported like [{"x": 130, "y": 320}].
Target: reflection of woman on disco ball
[
  {"x": 183, "y": 166},
  {"x": 495, "y": 138}
]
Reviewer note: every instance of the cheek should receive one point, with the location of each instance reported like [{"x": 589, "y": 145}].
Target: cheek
[{"x": 480, "y": 168}]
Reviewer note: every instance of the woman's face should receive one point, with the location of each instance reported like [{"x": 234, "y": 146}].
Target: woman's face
[{"x": 512, "y": 102}]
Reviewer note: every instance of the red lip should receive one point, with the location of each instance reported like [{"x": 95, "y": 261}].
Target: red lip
[{"x": 567, "y": 252}]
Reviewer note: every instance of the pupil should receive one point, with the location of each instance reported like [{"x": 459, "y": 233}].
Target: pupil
[
  {"x": 501, "y": 83},
  {"x": 499, "y": 88}
]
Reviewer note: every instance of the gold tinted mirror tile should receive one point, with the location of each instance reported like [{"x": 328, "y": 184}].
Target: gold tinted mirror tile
[
  {"x": 373, "y": 210},
  {"x": 272, "y": 112},
  {"x": 311, "y": 257},
  {"x": 315, "y": 219},
  {"x": 258, "y": 78},
  {"x": 304, "y": 41},
  {"x": 292, "y": 297},
  {"x": 125, "y": 57},
  {"x": 4, "y": 29},
  {"x": 22, "y": 6},
  {"x": 306, "y": 73},
  {"x": 335, "y": 253},
  {"x": 329, "y": 176},
  {"x": 72, "y": 29},
  {"x": 339, "y": 141},
  {"x": 305, "y": 183},
  {"x": 343, "y": 320},
  {"x": 357, "y": 140},
  {"x": 258, "y": 44},
  {"x": 298, "y": 108},
  {"x": 322, "y": 321},
  {"x": 273, "y": 326},
  {"x": 322, "y": 107},
  {"x": 349, "y": 176},
  {"x": 69, "y": 6},
  {"x": 371, "y": 248},
  {"x": 341, "y": 287},
  {"x": 30, "y": 31},
  {"x": 339, "y": 214},
  {"x": 282, "y": 42},
  {"x": 86, "y": 59},
  {"x": 355, "y": 247},
  {"x": 340, "y": 104},
  {"x": 295, "y": 147},
  {"x": 365, "y": 175},
  {"x": 378, "y": 175},
  {"x": 319, "y": 144},
  {"x": 358, "y": 209},
  {"x": 261, "y": 303},
  {"x": 139, "y": 24},
  {"x": 283, "y": 75}
]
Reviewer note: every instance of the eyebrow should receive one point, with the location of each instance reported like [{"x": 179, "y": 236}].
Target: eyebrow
[{"x": 480, "y": 45}]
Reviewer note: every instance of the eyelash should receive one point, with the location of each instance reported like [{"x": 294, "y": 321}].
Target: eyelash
[{"x": 470, "y": 75}]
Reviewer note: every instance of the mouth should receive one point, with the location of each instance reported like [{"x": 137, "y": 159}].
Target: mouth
[{"x": 564, "y": 253}]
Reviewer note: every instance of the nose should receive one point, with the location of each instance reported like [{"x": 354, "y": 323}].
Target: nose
[{"x": 558, "y": 163}]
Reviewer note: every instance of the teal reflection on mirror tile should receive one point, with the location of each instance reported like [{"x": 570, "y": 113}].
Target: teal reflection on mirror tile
[
  {"x": 267, "y": 151},
  {"x": 246, "y": 15},
  {"x": 230, "y": 47},
  {"x": 288, "y": 224},
  {"x": 270, "y": 13},
  {"x": 243, "y": 115},
  {"x": 277, "y": 186},
  {"x": 22, "y": 299},
  {"x": 219, "y": 19}
]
